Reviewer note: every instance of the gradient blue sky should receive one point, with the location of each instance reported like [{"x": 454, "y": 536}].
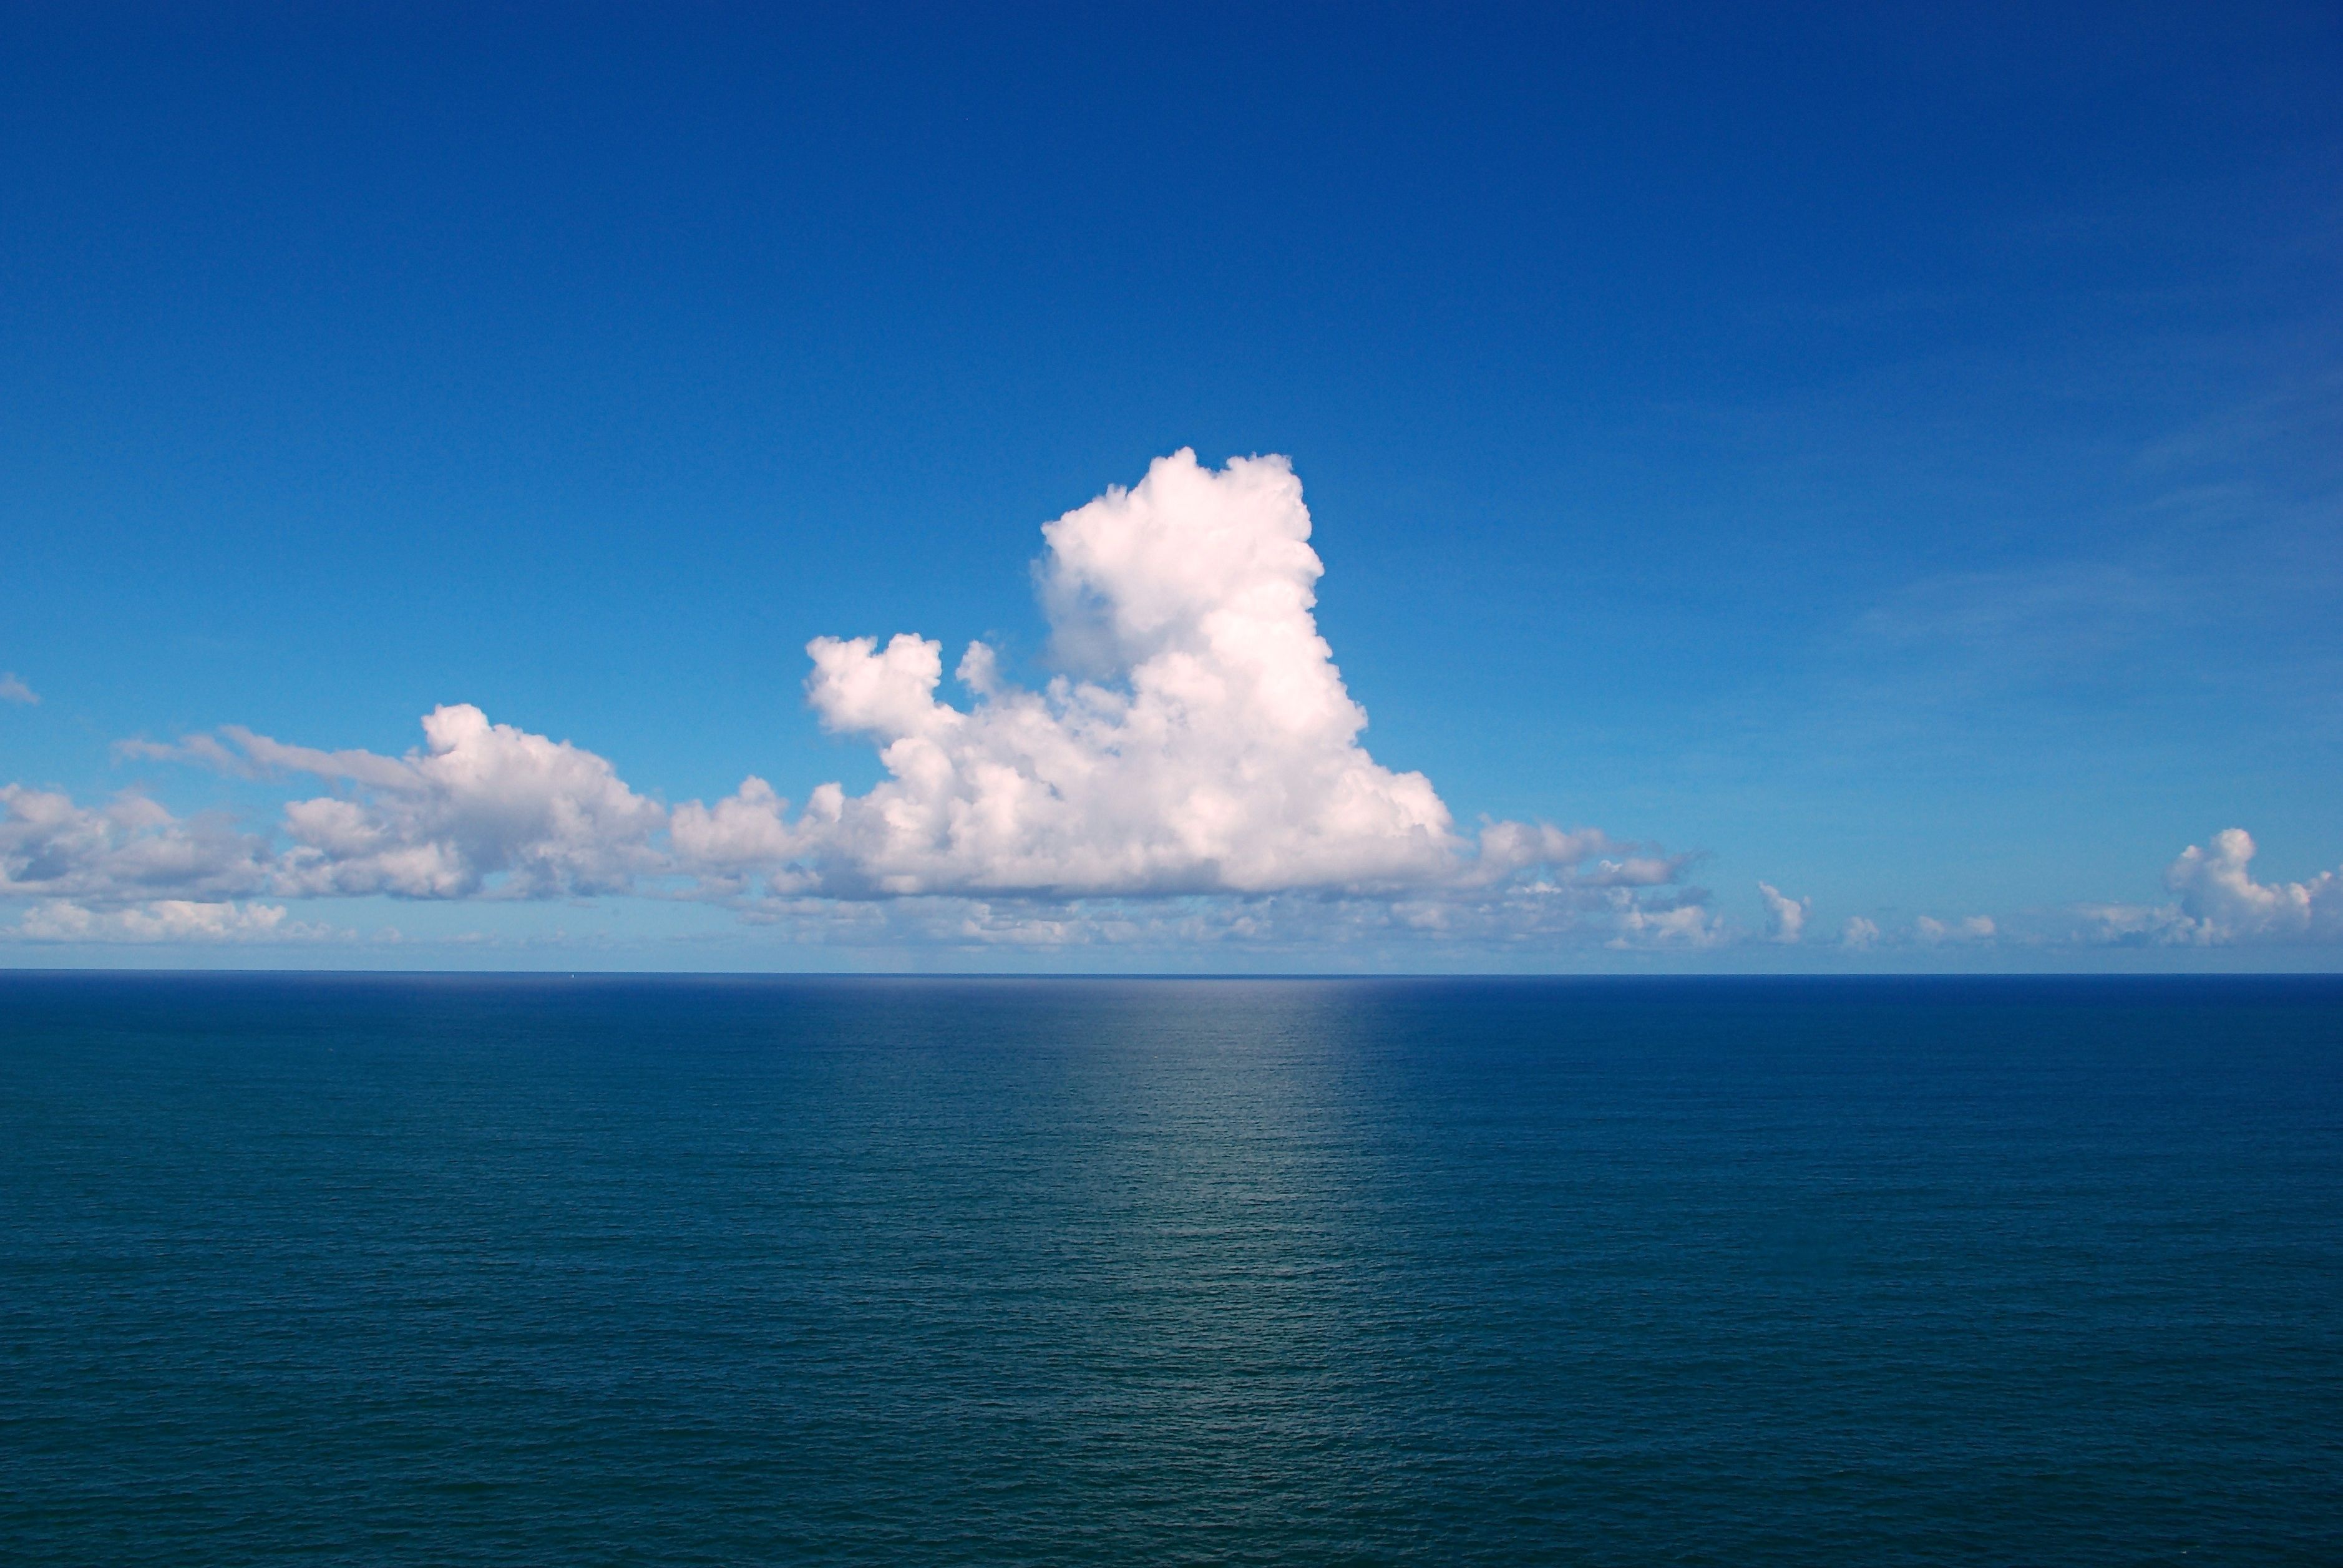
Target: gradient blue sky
[{"x": 1895, "y": 454}]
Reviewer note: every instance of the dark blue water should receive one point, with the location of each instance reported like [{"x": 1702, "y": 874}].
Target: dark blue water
[{"x": 536, "y": 1271}]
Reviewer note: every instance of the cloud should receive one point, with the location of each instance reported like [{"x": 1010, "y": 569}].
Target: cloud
[
  {"x": 1666, "y": 925},
  {"x": 1217, "y": 751},
  {"x": 1785, "y": 918},
  {"x": 745, "y": 832},
  {"x": 2219, "y": 903},
  {"x": 2012, "y": 621},
  {"x": 167, "y": 920},
  {"x": 1201, "y": 745},
  {"x": 1206, "y": 745},
  {"x": 479, "y": 808},
  {"x": 11, "y": 690},
  {"x": 2218, "y": 893},
  {"x": 1520, "y": 920},
  {"x": 1861, "y": 934},
  {"x": 1936, "y": 933},
  {"x": 129, "y": 849}
]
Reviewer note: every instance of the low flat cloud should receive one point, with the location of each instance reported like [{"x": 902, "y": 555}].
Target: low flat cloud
[
  {"x": 168, "y": 920},
  {"x": 1863, "y": 934}
]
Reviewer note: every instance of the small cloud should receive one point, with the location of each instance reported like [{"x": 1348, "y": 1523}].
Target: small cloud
[
  {"x": 1935, "y": 932},
  {"x": 1785, "y": 918},
  {"x": 1685, "y": 925},
  {"x": 13, "y": 690},
  {"x": 1859, "y": 933}
]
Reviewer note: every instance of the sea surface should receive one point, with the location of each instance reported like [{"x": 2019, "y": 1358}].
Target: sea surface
[{"x": 443, "y": 1269}]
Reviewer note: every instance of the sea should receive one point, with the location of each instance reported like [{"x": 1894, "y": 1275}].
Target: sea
[{"x": 543, "y": 1269}]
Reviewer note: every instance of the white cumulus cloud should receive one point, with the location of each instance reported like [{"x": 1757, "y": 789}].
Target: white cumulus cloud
[
  {"x": 1208, "y": 745},
  {"x": 129, "y": 849},
  {"x": 1219, "y": 751},
  {"x": 2219, "y": 903},
  {"x": 1785, "y": 917},
  {"x": 478, "y": 807}
]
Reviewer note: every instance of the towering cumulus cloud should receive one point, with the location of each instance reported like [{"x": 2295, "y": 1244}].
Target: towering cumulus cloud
[
  {"x": 2219, "y": 903},
  {"x": 1218, "y": 751},
  {"x": 1205, "y": 745}
]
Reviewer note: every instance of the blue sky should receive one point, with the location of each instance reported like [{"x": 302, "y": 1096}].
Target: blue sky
[{"x": 1891, "y": 457}]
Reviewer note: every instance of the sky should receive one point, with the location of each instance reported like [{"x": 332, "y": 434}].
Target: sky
[{"x": 1435, "y": 488}]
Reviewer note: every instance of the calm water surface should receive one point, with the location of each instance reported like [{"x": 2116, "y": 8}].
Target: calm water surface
[{"x": 534, "y": 1271}]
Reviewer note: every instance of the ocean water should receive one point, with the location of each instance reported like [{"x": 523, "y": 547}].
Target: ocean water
[{"x": 660, "y": 1270}]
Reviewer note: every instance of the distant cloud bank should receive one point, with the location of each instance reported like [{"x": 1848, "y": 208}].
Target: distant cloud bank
[
  {"x": 1195, "y": 777},
  {"x": 1197, "y": 773}
]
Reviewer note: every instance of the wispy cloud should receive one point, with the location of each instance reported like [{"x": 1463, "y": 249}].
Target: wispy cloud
[
  {"x": 13, "y": 690},
  {"x": 2055, "y": 624}
]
